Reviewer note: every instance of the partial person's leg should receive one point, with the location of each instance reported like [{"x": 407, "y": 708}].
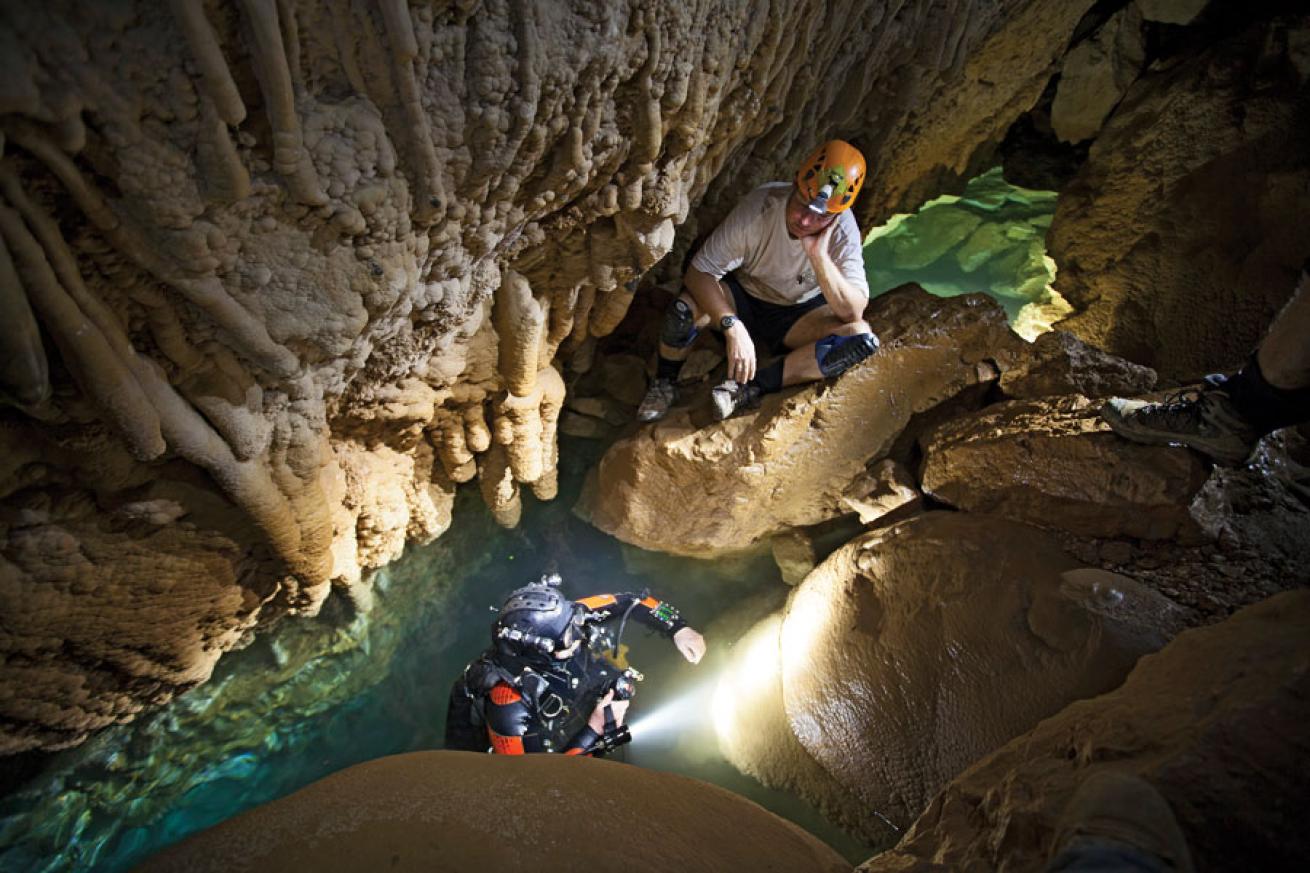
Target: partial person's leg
[
  {"x": 1118, "y": 823},
  {"x": 821, "y": 346},
  {"x": 678, "y": 330},
  {"x": 1227, "y": 416}
]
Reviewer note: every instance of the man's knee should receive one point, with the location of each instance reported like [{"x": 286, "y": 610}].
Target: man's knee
[
  {"x": 837, "y": 353},
  {"x": 678, "y": 329},
  {"x": 853, "y": 328}
]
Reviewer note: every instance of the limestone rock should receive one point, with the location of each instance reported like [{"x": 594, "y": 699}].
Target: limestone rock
[
  {"x": 890, "y": 489},
  {"x": 793, "y": 552},
  {"x": 1171, "y": 11},
  {"x": 1215, "y": 721},
  {"x": 1173, "y": 239},
  {"x": 449, "y": 811},
  {"x": 1060, "y": 363},
  {"x": 793, "y": 462},
  {"x": 1053, "y": 462},
  {"x": 623, "y": 377},
  {"x": 1096, "y": 74},
  {"x": 915, "y": 649}
]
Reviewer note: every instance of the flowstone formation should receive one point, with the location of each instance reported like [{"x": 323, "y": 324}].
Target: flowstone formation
[
  {"x": 462, "y": 811},
  {"x": 279, "y": 276},
  {"x": 917, "y": 648}
]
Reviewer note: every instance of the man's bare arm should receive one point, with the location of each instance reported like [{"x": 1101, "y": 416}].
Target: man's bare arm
[
  {"x": 846, "y": 300},
  {"x": 711, "y": 297}
]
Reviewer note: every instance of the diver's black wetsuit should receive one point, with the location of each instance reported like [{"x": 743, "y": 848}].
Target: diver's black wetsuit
[{"x": 517, "y": 706}]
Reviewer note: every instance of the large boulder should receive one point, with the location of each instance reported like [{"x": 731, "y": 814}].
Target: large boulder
[
  {"x": 1054, "y": 462},
  {"x": 1216, "y": 722},
  {"x": 458, "y": 811},
  {"x": 692, "y": 487},
  {"x": 916, "y": 649}
]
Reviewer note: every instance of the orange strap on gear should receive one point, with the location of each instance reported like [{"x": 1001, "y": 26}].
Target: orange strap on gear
[
  {"x": 650, "y": 603},
  {"x": 596, "y": 601},
  {"x": 831, "y": 176},
  {"x": 573, "y": 752},
  {"x": 504, "y": 694},
  {"x": 505, "y": 745}
]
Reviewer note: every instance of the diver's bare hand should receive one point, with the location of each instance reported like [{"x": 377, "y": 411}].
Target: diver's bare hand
[
  {"x": 690, "y": 643},
  {"x": 618, "y": 707}
]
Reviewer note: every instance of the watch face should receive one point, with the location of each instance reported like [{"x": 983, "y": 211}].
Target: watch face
[{"x": 727, "y": 321}]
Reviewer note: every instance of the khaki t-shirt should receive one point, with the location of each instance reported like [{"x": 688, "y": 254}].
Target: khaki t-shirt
[{"x": 770, "y": 264}]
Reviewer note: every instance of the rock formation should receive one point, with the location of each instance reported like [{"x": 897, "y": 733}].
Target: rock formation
[
  {"x": 273, "y": 270},
  {"x": 1216, "y": 722},
  {"x": 457, "y": 811},
  {"x": 1173, "y": 240},
  {"x": 802, "y": 457},
  {"x": 917, "y": 648}
]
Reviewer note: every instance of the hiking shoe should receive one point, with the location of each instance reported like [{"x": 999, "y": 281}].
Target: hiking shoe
[
  {"x": 1204, "y": 419},
  {"x": 1122, "y": 822},
  {"x": 730, "y": 396},
  {"x": 661, "y": 395}
]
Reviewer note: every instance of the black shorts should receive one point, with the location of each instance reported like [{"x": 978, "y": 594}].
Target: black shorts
[{"x": 766, "y": 322}]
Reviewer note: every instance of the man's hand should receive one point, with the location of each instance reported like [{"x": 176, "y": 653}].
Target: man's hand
[
  {"x": 741, "y": 353},
  {"x": 690, "y": 643},
  {"x": 816, "y": 245},
  {"x": 618, "y": 707}
]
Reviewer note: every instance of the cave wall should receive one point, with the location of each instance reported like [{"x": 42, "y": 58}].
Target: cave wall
[
  {"x": 279, "y": 276},
  {"x": 1181, "y": 236}
]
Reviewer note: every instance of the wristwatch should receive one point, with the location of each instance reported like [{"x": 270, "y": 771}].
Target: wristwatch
[{"x": 726, "y": 322}]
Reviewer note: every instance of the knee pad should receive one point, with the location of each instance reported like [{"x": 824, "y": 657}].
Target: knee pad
[
  {"x": 837, "y": 354},
  {"x": 678, "y": 329}
]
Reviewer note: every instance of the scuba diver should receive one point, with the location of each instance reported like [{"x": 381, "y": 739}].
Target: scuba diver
[{"x": 545, "y": 685}]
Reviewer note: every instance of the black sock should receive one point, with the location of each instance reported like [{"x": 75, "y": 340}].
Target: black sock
[
  {"x": 1267, "y": 407},
  {"x": 667, "y": 369},
  {"x": 769, "y": 379}
]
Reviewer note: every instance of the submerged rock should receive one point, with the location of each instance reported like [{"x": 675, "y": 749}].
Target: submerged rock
[
  {"x": 915, "y": 649},
  {"x": 458, "y": 811},
  {"x": 696, "y": 488},
  {"x": 1216, "y": 722},
  {"x": 1054, "y": 462}
]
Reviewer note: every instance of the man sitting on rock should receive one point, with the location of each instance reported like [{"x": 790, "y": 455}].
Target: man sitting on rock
[
  {"x": 545, "y": 685},
  {"x": 1227, "y": 415},
  {"x": 783, "y": 274}
]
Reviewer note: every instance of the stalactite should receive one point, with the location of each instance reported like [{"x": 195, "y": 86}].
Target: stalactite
[
  {"x": 290, "y": 158},
  {"x": 86, "y": 351},
  {"x": 429, "y": 196},
  {"x": 498, "y": 487},
  {"x": 520, "y": 322},
  {"x": 224, "y": 176},
  {"x": 215, "y": 77},
  {"x": 249, "y": 337},
  {"x": 24, "y": 371}
]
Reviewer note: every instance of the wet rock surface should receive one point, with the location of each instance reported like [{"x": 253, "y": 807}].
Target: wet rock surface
[
  {"x": 1215, "y": 721},
  {"x": 917, "y": 648},
  {"x": 458, "y": 811},
  {"x": 793, "y": 462},
  {"x": 1055, "y": 463},
  {"x": 1059, "y": 363}
]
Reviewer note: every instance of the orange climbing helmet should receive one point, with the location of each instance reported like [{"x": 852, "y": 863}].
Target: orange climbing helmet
[{"x": 831, "y": 177}]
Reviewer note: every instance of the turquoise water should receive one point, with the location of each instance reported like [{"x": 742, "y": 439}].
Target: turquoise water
[{"x": 318, "y": 695}]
